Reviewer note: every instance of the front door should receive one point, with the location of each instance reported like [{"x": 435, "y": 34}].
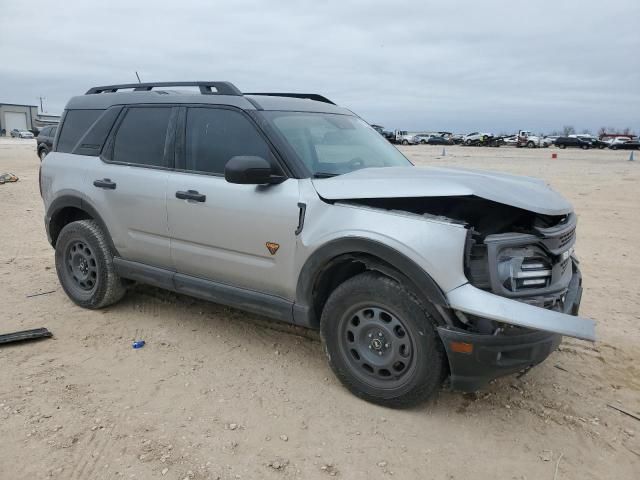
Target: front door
[{"x": 239, "y": 235}]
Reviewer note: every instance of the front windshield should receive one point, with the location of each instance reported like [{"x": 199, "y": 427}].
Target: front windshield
[{"x": 331, "y": 144}]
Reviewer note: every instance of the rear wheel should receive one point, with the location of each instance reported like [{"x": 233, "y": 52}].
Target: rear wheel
[
  {"x": 530, "y": 145},
  {"x": 585, "y": 147},
  {"x": 562, "y": 146},
  {"x": 43, "y": 153},
  {"x": 380, "y": 342},
  {"x": 467, "y": 142},
  {"x": 84, "y": 263},
  {"x": 405, "y": 142}
]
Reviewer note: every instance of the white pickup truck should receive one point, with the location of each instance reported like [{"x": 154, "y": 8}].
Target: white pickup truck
[{"x": 529, "y": 140}]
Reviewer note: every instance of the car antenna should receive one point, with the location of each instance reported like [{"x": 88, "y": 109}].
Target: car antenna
[{"x": 138, "y": 76}]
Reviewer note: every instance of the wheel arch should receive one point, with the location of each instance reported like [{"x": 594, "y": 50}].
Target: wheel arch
[
  {"x": 70, "y": 208},
  {"x": 338, "y": 260}
]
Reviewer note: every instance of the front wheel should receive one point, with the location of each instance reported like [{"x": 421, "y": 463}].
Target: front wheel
[
  {"x": 530, "y": 145},
  {"x": 380, "y": 341},
  {"x": 42, "y": 154},
  {"x": 84, "y": 263},
  {"x": 585, "y": 147},
  {"x": 562, "y": 146},
  {"x": 405, "y": 142}
]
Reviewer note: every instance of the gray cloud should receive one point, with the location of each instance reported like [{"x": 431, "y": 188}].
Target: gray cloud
[{"x": 490, "y": 65}]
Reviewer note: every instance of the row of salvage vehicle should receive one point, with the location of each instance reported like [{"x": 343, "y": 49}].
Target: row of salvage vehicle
[{"x": 523, "y": 139}]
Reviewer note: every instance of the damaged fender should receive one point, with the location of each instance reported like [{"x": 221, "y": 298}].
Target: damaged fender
[{"x": 472, "y": 300}]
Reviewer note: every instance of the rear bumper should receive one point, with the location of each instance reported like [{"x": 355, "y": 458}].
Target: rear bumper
[{"x": 475, "y": 359}]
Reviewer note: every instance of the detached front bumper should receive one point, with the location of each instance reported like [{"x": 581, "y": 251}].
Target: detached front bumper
[{"x": 475, "y": 359}]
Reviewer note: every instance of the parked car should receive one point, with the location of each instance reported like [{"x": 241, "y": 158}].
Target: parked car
[
  {"x": 624, "y": 145},
  {"x": 297, "y": 210},
  {"x": 525, "y": 138},
  {"x": 457, "y": 138},
  {"x": 476, "y": 138},
  {"x": 438, "y": 141},
  {"x": 21, "y": 133},
  {"x": 405, "y": 138},
  {"x": 564, "y": 142},
  {"x": 45, "y": 141},
  {"x": 594, "y": 141}
]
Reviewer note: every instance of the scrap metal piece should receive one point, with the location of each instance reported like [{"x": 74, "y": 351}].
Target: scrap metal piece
[{"x": 25, "y": 335}]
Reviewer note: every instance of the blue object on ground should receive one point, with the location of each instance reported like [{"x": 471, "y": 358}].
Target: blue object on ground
[{"x": 138, "y": 344}]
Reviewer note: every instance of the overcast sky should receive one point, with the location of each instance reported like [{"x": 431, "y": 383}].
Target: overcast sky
[{"x": 459, "y": 66}]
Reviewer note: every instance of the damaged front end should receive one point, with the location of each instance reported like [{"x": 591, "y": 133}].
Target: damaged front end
[{"x": 523, "y": 292}]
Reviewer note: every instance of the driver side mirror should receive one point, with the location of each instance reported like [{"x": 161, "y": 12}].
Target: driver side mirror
[{"x": 249, "y": 170}]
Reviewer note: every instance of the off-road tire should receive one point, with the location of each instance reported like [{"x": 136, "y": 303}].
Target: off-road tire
[
  {"x": 84, "y": 242},
  {"x": 425, "y": 368}
]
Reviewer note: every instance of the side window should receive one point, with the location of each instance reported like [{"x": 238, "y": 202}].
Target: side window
[
  {"x": 214, "y": 136},
  {"x": 76, "y": 123},
  {"x": 141, "y": 137}
]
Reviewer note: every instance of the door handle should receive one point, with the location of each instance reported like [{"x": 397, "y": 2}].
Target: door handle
[
  {"x": 191, "y": 195},
  {"x": 105, "y": 183}
]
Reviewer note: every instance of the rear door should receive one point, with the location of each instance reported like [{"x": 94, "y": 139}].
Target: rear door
[
  {"x": 240, "y": 235},
  {"x": 129, "y": 183}
]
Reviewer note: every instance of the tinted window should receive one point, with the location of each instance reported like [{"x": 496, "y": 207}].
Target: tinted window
[
  {"x": 141, "y": 137},
  {"x": 76, "y": 123},
  {"x": 214, "y": 136}
]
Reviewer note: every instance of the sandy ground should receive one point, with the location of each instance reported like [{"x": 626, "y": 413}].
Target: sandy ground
[{"x": 217, "y": 393}]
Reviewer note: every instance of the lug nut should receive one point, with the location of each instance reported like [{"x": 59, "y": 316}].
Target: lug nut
[
  {"x": 379, "y": 334},
  {"x": 370, "y": 335},
  {"x": 386, "y": 345}
]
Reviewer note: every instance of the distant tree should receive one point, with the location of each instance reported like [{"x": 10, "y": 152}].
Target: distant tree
[
  {"x": 568, "y": 130},
  {"x": 586, "y": 131},
  {"x": 602, "y": 131},
  {"x": 627, "y": 131}
]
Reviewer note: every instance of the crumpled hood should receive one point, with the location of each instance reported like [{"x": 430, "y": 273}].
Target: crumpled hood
[{"x": 397, "y": 182}]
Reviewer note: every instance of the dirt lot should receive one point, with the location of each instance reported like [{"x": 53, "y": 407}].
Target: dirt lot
[{"x": 217, "y": 393}]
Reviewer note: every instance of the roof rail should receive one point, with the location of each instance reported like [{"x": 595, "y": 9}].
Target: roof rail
[
  {"x": 221, "y": 88},
  {"x": 309, "y": 96}
]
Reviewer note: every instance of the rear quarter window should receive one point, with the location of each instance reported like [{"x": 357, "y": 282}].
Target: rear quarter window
[{"x": 75, "y": 125}]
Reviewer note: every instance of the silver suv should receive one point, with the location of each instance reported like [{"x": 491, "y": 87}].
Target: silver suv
[{"x": 291, "y": 207}]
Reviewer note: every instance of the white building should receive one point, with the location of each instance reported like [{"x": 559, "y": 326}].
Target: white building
[{"x": 24, "y": 117}]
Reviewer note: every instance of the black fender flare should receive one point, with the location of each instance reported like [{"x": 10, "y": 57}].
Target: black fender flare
[
  {"x": 392, "y": 263},
  {"x": 78, "y": 202}
]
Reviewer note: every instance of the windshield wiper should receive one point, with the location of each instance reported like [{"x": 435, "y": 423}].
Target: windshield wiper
[{"x": 324, "y": 175}]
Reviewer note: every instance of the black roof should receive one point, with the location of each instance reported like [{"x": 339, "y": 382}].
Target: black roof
[{"x": 210, "y": 92}]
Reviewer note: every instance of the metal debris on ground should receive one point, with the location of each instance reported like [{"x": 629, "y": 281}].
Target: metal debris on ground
[
  {"x": 41, "y": 293},
  {"x": 25, "y": 335},
  {"x": 626, "y": 412}
]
